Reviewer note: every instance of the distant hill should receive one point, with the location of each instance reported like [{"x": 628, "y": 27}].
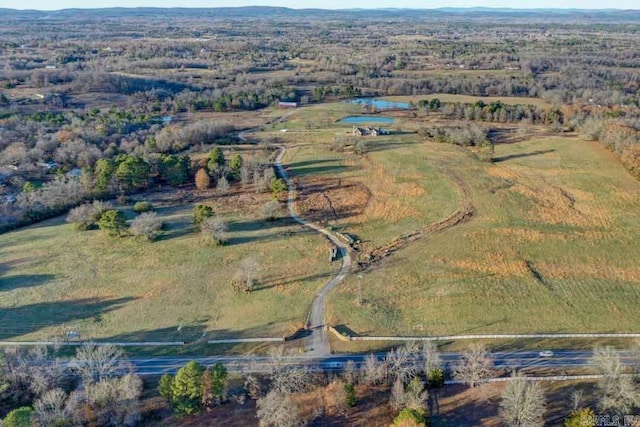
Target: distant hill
[{"x": 267, "y": 12}]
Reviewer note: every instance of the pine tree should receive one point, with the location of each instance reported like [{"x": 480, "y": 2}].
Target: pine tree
[
  {"x": 216, "y": 159},
  {"x": 186, "y": 389}
]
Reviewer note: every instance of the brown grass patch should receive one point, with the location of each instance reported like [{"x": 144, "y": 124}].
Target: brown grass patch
[
  {"x": 556, "y": 205},
  {"x": 497, "y": 264},
  {"x": 324, "y": 199},
  {"x": 601, "y": 271},
  {"x": 388, "y": 200}
]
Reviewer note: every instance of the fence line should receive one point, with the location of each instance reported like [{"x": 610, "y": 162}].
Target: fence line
[
  {"x": 344, "y": 337},
  {"x": 549, "y": 378},
  {"x": 96, "y": 343},
  {"x": 241, "y": 340}
]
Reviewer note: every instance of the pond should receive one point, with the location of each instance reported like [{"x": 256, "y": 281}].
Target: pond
[
  {"x": 366, "y": 119},
  {"x": 380, "y": 104}
]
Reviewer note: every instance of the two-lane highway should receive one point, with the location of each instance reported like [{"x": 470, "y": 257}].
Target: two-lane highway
[{"x": 513, "y": 360}]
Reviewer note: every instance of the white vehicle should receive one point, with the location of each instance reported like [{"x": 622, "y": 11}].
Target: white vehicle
[
  {"x": 333, "y": 365},
  {"x": 546, "y": 353}
]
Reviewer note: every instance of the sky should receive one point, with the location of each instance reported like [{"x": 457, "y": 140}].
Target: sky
[{"x": 324, "y": 4}]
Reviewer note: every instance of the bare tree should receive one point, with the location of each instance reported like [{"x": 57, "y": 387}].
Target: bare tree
[
  {"x": 291, "y": 379},
  {"x": 248, "y": 273},
  {"x": 398, "y": 393},
  {"x": 416, "y": 396},
  {"x": 402, "y": 362},
  {"x": 475, "y": 365},
  {"x": 245, "y": 174},
  {"x": 32, "y": 372},
  {"x": 94, "y": 362},
  {"x": 253, "y": 386},
  {"x": 81, "y": 217},
  {"x": 147, "y": 225},
  {"x": 50, "y": 409},
  {"x": 113, "y": 401},
  {"x": 576, "y": 399},
  {"x": 335, "y": 398},
  {"x": 350, "y": 372},
  {"x": 271, "y": 210},
  {"x": 523, "y": 403},
  {"x": 619, "y": 392},
  {"x": 431, "y": 357},
  {"x": 222, "y": 186},
  {"x": 214, "y": 229},
  {"x": 373, "y": 370},
  {"x": 277, "y": 410}
]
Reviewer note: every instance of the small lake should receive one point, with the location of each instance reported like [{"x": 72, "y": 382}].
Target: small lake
[
  {"x": 366, "y": 119},
  {"x": 380, "y": 104}
]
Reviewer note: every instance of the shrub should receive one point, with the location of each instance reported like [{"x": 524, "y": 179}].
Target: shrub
[
  {"x": 202, "y": 179},
  {"x": 99, "y": 208},
  {"x": 351, "y": 394},
  {"x": 223, "y": 185},
  {"x": 271, "y": 210},
  {"x": 236, "y": 163},
  {"x": 200, "y": 213},
  {"x": 361, "y": 147},
  {"x": 410, "y": 417},
  {"x": 113, "y": 222},
  {"x": 214, "y": 230},
  {"x": 20, "y": 417},
  {"x": 278, "y": 187},
  {"x": 142, "y": 206},
  {"x": 436, "y": 378},
  {"x": 82, "y": 217},
  {"x": 216, "y": 159},
  {"x": 147, "y": 225},
  {"x": 581, "y": 418}
]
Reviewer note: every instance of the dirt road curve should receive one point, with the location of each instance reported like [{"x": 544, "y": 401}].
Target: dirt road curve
[{"x": 317, "y": 343}]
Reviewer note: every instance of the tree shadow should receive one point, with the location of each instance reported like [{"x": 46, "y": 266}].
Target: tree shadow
[
  {"x": 373, "y": 146},
  {"x": 23, "y": 281},
  {"x": 474, "y": 407},
  {"x": 275, "y": 282},
  {"x": 27, "y": 319},
  {"x": 240, "y": 226},
  {"x": 521, "y": 155},
  {"x": 309, "y": 163},
  {"x": 319, "y": 170}
]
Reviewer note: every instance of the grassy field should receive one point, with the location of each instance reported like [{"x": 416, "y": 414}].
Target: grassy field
[
  {"x": 552, "y": 248},
  {"x": 54, "y": 279},
  {"x": 378, "y": 196}
]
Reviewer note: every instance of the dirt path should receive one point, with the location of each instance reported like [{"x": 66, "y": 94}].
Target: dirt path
[{"x": 317, "y": 343}]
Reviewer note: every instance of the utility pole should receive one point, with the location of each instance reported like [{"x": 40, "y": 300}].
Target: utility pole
[{"x": 360, "y": 300}]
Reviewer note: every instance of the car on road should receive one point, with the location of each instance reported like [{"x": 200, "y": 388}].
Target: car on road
[
  {"x": 546, "y": 353},
  {"x": 333, "y": 365}
]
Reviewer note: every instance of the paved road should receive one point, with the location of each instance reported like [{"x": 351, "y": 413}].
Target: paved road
[
  {"x": 516, "y": 360},
  {"x": 317, "y": 343}
]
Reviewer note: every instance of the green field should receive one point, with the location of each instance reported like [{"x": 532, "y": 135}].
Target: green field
[
  {"x": 553, "y": 247},
  {"x": 54, "y": 279}
]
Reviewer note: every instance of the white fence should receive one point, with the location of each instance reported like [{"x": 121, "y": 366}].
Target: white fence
[{"x": 97, "y": 343}]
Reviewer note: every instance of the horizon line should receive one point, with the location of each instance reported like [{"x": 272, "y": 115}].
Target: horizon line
[{"x": 364, "y": 9}]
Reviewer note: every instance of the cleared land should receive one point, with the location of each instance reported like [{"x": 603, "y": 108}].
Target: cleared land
[
  {"x": 552, "y": 245},
  {"x": 552, "y": 248},
  {"x": 54, "y": 279}
]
